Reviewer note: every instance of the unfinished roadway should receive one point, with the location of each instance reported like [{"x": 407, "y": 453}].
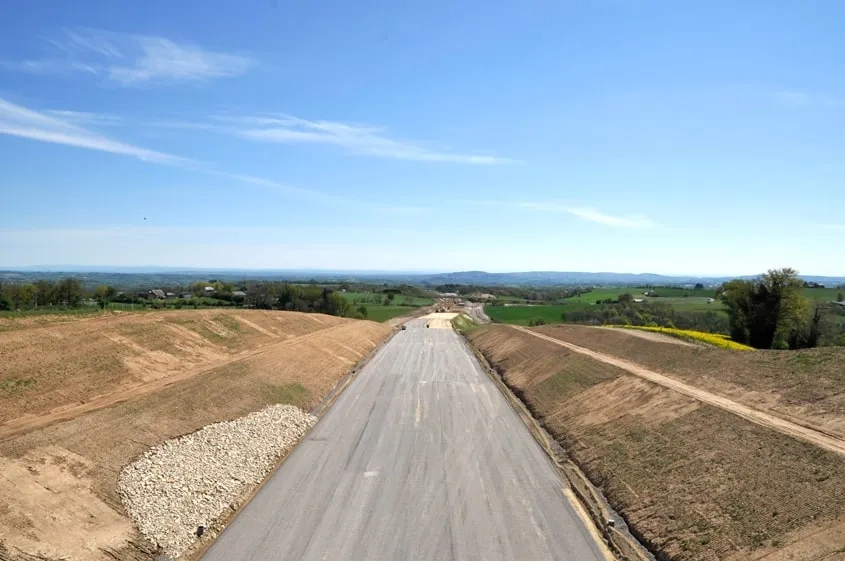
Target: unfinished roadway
[{"x": 420, "y": 458}]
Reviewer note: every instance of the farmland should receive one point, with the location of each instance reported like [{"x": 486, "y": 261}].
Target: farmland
[
  {"x": 522, "y": 315},
  {"x": 380, "y": 308}
]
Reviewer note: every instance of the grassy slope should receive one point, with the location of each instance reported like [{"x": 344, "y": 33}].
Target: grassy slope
[{"x": 696, "y": 483}]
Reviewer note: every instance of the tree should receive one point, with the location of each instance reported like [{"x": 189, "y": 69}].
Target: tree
[
  {"x": 625, "y": 298},
  {"x": 68, "y": 292},
  {"x": 5, "y": 305},
  {"x": 104, "y": 294},
  {"x": 769, "y": 312},
  {"x": 362, "y": 310},
  {"x": 840, "y": 297},
  {"x": 699, "y": 286}
]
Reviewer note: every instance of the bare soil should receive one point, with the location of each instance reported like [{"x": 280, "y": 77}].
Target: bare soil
[
  {"x": 233, "y": 368},
  {"x": 695, "y": 482},
  {"x": 762, "y": 418},
  {"x": 806, "y": 386}
]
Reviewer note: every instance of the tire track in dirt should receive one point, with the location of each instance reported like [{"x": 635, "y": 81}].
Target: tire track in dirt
[
  {"x": 789, "y": 428},
  {"x": 25, "y": 424}
]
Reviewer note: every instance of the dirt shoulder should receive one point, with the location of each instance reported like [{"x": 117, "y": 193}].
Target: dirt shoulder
[
  {"x": 281, "y": 358},
  {"x": 694, "y": 482}
]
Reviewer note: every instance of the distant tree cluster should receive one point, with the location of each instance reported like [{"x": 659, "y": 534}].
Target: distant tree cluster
[
  {"x": 771, "y": 313},
  {"x": 67, "y": 292},
  {"x": 297, "y": 298}
]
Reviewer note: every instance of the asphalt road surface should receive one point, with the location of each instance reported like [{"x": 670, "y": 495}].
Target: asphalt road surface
[{"x": 420, "y": 458}]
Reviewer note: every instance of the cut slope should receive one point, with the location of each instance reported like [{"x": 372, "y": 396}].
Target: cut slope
[
  {"x": 803, "y": 386},
  {"x": 59, "y": 364},
  {"x": 300, "y": 373},
  {"x": 694, "y": 482}
]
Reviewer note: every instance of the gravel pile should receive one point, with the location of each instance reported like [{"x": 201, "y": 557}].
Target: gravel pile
[{"x": 190, "y": 481}]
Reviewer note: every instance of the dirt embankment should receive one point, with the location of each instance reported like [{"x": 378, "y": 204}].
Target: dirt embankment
[
  {"x": 805, "y": 386},
  {"x": 695, "y": 482},
  {"x": 173, "y": 372}
]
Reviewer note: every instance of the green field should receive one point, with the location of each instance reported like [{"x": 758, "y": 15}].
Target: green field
[
  {"x": 384, "y": 313},
  {"x": 372, "y": 298},
  {"x": 522, "y": 315},
  {"x": 823, "y": 294}
]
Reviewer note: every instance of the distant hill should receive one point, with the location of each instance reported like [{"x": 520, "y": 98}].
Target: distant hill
[{"x": 159, "y": 276}]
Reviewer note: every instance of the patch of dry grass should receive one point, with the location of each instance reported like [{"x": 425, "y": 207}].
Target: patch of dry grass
[
  {"x": 696, "y": 483},
  {"x": 301, "y": 373}
]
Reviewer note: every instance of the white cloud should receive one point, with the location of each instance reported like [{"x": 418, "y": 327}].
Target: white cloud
[
  {"x": 164, "y": 60},
  {"x": 359, "y": 139},
  {"x": 133, "y": 60},
  {"x": 65, "y": 127},
  {"x": 84, "y": 117},
  {"x": 591, "y": 215},
  {"x": 16, "y": 120}
]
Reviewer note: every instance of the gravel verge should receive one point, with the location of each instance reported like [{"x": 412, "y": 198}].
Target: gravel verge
[{"x": 188, "y": 482}]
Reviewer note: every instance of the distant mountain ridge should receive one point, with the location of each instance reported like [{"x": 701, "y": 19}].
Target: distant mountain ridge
[{"x": 175, "y": 275}]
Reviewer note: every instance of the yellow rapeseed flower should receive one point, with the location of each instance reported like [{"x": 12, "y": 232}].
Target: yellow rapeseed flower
[{"x": 715, "y": 339}]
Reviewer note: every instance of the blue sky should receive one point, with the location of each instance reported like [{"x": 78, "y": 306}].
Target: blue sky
[{"x": 635, "y": 136}]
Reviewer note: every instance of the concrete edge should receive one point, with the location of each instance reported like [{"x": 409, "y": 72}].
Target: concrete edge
[
  {"x": 601, "y": 517},
  {"x": 200, "y": 546}
]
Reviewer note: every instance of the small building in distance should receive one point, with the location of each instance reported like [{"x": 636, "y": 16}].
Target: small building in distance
[
  {"x": 157, "y": 293},
  {"x": 209, "y": 290}
]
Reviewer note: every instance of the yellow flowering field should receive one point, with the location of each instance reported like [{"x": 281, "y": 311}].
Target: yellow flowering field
[{"x": 714, "y": 339}]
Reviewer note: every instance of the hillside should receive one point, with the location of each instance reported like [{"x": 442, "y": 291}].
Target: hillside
[
  {"x": 695, "y": 482},
  {"x": 81, "y": 398}
]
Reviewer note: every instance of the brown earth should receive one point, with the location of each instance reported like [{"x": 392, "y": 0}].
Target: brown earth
[
  {"x": 232, "y": 363},
  {"x": 799, "y": 430},
  {"x": 695, "y": 482},
  {"x": 806, "y": 386}
]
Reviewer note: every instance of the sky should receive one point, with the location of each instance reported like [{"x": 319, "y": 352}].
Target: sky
[{"x": 695, "y": 137}]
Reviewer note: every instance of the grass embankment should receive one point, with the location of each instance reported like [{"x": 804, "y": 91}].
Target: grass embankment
[
  {"x": 694, "y": 482},
  {"x": 715, "y": 339},
  {"x": 463, "y": 323}
]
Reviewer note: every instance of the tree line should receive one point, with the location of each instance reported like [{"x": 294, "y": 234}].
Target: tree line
[
  {"x": 296, "y": 298},
  {"x": 67, "y": 292}
]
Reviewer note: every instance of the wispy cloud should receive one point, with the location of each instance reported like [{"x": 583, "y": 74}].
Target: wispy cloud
[
  {"x": 584, "y": 213},
  {"x": 132, "y": 60},
  {"x": 66, "y": 127},
  {"x": 360, "y": 139},
  {"x": 610, "y": 220},
  {"x": 84, "y": 117},
  {"x": 16, "y": 120},
  {"x": 799, "y": 99}
]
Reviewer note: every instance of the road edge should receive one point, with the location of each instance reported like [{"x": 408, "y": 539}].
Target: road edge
[
  {"x": 198, "y": 549},
  {"x": 591, "y": 505}
]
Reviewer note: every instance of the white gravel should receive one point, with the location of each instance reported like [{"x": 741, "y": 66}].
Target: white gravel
[{"x": 192, "y": 480}]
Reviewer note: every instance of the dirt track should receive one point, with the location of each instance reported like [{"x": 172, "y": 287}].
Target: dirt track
[{"x": 826, "y": 441}]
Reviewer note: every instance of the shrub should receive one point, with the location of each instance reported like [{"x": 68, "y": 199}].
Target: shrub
[{"x": 533, "y": 322}]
